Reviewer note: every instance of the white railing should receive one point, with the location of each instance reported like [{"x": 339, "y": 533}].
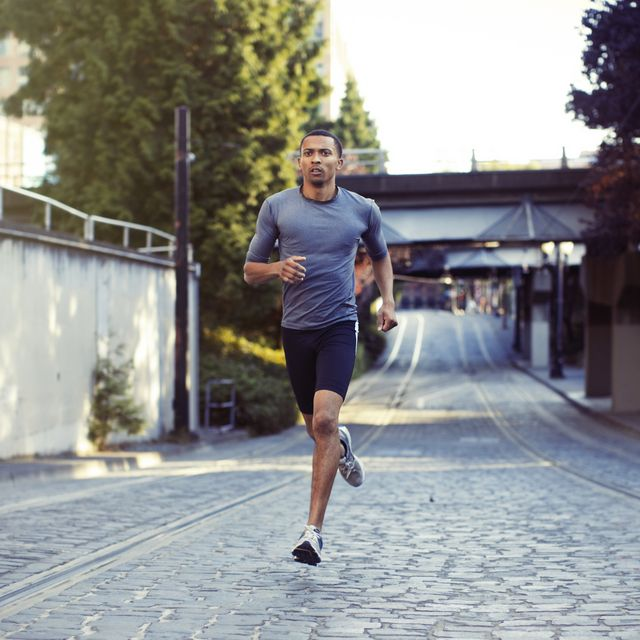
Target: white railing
[
  {"x": 90, "y": 221},
  {"x": 355, "y": 160}
]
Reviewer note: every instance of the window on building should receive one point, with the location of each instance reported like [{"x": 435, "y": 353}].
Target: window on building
[
  {"x": 31, "y": 108},
  {"x": 5, "y": 77}
]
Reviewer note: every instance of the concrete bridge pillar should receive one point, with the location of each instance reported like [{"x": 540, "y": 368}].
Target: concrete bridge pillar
[
  {"x": 596, "y": 279},
  {"x": 597, "y": 350},
  {"x": 540, "y": 318},
  {"x": 625, "y": 347},
  {"x": 612, "y": 333}
]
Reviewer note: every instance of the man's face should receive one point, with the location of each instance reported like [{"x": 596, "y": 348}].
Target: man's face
[{"x": 319, "y": 161}]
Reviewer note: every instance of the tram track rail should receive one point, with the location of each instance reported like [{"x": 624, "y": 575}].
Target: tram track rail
[
  {"x": 512, "y": 434},
  {"x": 398, "y": 392},
  {"x": 42, "y": 585},
  {"x": 152, "y": 475},
  {"x": 469, "y": 371},
  {"x": 586, "y": 439},
  {"x": 508, "y": 430},
  {"x": 37, "y": 587},
  {"x": 568, "y": 429}
]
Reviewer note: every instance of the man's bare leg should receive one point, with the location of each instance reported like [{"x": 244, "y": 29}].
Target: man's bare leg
[{"x": 322, "y": 426}]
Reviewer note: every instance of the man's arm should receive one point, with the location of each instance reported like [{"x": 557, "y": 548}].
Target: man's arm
[
  {"x": 383, "y": 274},
  {"x": 289, "y": 270}
]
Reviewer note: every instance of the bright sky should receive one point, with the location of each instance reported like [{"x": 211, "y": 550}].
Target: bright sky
[{"x": 443, "y": 77}]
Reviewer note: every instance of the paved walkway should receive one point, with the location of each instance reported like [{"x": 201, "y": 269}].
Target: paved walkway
[
  {"x": 492, "y": 510},
  {"x": 571, "y": 387}
]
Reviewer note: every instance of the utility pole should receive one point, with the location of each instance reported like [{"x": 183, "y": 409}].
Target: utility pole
[
  {"x": 519, "y": 295},
  {"x": 564, "y": 250},
  {"x": 181, "y": 395}
]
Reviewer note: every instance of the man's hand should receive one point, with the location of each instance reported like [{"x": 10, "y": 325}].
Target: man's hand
[
  {"x": 291, "y": 271},
  {"x": 387, "y": 317}
]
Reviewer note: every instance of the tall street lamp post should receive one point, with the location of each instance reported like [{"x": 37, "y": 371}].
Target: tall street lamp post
[{"x": 562, "y": 252}]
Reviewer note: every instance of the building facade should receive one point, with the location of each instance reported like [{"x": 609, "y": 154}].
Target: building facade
[
  {"x": 22, "y": 157},
  {"x": 333, "y": 65}
]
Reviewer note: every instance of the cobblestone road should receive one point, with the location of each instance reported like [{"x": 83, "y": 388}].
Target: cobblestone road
[{"x": 491, "y": 510}]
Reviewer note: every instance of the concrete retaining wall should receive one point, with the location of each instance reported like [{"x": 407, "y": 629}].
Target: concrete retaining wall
[{"x": 63, "y": 302}]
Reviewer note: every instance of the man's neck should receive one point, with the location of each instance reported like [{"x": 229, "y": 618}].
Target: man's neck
[{"x": 320, "y": 193}]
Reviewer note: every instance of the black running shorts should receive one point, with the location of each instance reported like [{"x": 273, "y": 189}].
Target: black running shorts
[{"x": 320, "y": 360}]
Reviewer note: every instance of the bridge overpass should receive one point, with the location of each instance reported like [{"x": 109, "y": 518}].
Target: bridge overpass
[
  {"x": 482, "y": 233},
  {"x": 476, "y": 221}
]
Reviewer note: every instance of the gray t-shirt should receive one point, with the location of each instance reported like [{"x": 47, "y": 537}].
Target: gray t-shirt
[{"x": 327, "y": 234}]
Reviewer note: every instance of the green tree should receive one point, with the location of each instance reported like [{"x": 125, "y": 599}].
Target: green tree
[
  {"x": 611, "y": 62},
  {"x": 354, "y": 125},
  {"x": 356, "y": 129},
  {"x": 108, "y": 76}
]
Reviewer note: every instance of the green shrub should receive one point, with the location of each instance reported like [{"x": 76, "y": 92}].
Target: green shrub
[
  {"x": 264, "y": 400},
  {"x": 112, "y": 406}
]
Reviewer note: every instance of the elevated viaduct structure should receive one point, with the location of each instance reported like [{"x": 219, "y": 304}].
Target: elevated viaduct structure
[
  {"x": 496, "y": 226},
  {"x": 471, "y": 188},
  {"x": 478, "y": 220},
  {"x": 463, "y": 239}
]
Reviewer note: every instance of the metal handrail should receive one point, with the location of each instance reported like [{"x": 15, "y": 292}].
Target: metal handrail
[
  {"x": 132, "y": 225},
  {"x": 90, "y": 221},
  {"x": 378, "y": 158},
  {"x": 45, "y": 199}
]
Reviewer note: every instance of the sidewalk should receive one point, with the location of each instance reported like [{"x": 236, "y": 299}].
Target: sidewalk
[
  {"x": 571, "y": 388},
  {"x": 142, "y": 455}
]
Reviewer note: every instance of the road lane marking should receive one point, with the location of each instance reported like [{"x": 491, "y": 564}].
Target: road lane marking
[
  {"x": 387, "y": 415},
  {"x": 368, "y": 382}
]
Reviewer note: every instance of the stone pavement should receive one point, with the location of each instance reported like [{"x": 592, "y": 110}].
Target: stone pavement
[
  {"x": 472, "y": 545},
  {"x": 571, "y": 387},
  {"x": 492, "y": 510}
]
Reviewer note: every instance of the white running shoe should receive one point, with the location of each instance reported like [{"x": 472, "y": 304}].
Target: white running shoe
[
  {"x": 350, "y": 466},
  {"x": 309, "y": 546}
]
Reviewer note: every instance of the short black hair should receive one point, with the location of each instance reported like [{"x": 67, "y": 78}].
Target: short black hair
[{"x": 328, "y": 134}]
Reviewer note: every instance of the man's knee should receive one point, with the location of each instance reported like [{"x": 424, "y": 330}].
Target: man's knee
[
  {"x": 308, "y": 423},
  {"x": 325, "y": 423}
]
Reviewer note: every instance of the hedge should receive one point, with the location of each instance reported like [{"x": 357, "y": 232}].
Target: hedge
[{"x": 265, "y": 402}]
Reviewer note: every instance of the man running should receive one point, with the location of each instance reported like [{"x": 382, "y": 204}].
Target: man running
[{"x": 318, "y": 228}]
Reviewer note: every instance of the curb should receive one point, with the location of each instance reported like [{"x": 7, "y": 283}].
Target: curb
[
  {"x": 80, "y": 467},
  {"x": 594, "y": 413}
]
